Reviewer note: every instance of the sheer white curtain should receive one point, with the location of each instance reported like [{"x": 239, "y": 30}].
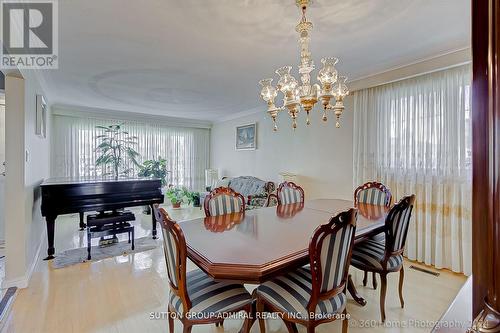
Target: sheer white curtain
[
  {"x": 415, "y": 136},
  {"x": 185, "y": 149}
]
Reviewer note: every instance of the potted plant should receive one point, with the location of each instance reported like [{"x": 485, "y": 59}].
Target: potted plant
[
  {"x": 175, "y": 195},
  {"x": 192, "y": 197},
  {"x": 116, "y": 149}
]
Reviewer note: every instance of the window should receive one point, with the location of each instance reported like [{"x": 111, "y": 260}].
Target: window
[{"x": 185, "y": 149}]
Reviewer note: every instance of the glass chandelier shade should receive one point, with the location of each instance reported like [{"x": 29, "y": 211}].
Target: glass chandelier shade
[{"x": 304, "y": 95}]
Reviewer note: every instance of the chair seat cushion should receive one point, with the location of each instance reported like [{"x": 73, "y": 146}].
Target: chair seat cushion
[
  {"x": 291, "y": 293},
  {"x": 370, "y": 254},
  {"x": 210, "y": 298}
]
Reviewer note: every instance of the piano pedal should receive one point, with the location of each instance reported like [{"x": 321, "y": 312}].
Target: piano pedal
[{"x": 105, "y": 242}]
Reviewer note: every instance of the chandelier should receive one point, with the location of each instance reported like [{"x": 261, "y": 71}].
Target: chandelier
[{"x": 305, "y": 95}]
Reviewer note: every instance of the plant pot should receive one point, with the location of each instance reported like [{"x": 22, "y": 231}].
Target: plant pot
[
  {"x": 176, "y": 205},
  {"x": 196, "y": 202}
]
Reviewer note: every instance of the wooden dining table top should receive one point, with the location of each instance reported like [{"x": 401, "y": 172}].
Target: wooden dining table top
[{"x": 254, "y": 246}]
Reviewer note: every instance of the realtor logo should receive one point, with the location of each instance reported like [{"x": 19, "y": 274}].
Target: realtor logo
[{"x": 29, "y": 34}]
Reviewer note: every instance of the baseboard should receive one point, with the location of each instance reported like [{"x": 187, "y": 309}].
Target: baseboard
[{"x": 23, "y": 281}]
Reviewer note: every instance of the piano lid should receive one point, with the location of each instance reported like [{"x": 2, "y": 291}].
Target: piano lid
[{"x": 92, "y": 180}]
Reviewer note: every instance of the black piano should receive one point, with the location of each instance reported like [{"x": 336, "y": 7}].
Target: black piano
[{"x": 79, "y": 195}]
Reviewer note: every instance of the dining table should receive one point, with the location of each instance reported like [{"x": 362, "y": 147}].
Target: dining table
[{"x": 254, "y": 246}]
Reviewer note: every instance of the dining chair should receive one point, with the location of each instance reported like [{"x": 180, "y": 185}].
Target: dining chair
[
  {"x": 195, "y": 298},
  {"x": 288, "y": 193},
  {"x": 373, "y": 193},
  {"x": 386, "y": 255},
  {"x": 314, "y": 294},
  {"x": 223, "y": 200}
]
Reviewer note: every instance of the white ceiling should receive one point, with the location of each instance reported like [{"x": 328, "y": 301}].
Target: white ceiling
[{"x": 202, "y": 59}]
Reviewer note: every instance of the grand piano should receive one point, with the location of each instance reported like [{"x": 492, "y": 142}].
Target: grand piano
[{"x": 78, "y": 195}]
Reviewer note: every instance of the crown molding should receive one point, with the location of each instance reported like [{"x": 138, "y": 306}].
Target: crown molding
[
  {"x": 98, "y": 113},
  {"x": 428, "y": 65},
  {"x": 241, "y": 114}
]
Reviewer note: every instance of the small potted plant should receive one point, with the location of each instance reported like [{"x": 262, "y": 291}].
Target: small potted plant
[
  {"x": 192, "y": 197},
  {"x": 175, "y": 195}
]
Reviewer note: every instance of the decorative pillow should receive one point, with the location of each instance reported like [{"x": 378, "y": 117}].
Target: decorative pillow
[
  {"x": 223, "y": 182},
  {"x": 248, "y": 185}
]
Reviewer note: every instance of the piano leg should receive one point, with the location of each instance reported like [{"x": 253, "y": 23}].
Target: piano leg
[
  {"x": 154, "y": 222},
  {"x": 51, "y": 223},
  {"x": 82, "y": 224}
]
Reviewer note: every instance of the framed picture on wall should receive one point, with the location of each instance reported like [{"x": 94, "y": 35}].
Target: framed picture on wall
[
  {"x": 41, "y": 116},
  {"x": 246, "y": 137}
]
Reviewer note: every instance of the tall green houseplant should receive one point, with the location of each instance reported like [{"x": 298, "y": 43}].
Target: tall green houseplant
[
  {"x": 155, "y": 168},
  {"x": 116, "y": 149}
]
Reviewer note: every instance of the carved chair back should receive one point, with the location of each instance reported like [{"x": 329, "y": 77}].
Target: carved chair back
[
  {"x": 396, "y": 225},
  {"x": 373, "y": 193},
  {"x": 223, "y": 200},
  {"x": 289, "y": 193},
  {"x": 330, "y": 251}
]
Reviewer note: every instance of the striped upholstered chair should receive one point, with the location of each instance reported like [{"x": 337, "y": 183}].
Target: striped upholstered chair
[
  {"x": 223, "y": 200},
  {"x": 314, "y": 294},
  {"x": 386, "y": 255},
  {"x": 289, "y": 193},
  {"x": 194, "y": 297},
  {"x": 373, "y": 193}
]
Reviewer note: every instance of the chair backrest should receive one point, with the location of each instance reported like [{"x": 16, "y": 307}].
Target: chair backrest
[
  {"x": 175, "y": 251},
  {"x": 223, "y": 200},
  {"x": 373, "y": 193},
  {"x": 397, "y": 223},
  {"x": 330, "y": 251},
  {"x": 289, "y": 192}
]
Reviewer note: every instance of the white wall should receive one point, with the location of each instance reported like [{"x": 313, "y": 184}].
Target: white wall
[
  {"x": 319, "y": 153},
  {"x": 37, "y": 168},
  {"x": 27, "y": 157}
]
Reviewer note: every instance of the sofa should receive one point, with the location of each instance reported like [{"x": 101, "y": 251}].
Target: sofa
[{"x": 254, "y": 190}]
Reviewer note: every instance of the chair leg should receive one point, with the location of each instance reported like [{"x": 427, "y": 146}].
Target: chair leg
[
  {"x": 170, "y": 322},
  {"x": 345, "y": 321},
  {"x": 311, "y": 329},
  {"x": 383, "y": 290},
  {"x": 248, "y": 321},
  {"x": 374, "y": 280},
  {"x": 260, "y": 311},
  {"x": 365, "y": 279},
  {"x": 187, "y": 328},
  {"x": 219, "y": 323},
  {"x": 401, "y": 278},
  {"x": 291, "y": 327}
]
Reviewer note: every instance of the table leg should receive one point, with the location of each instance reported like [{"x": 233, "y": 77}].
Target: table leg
[
  {"x": 354, "y": 293},
  {"x": 153, "y": 219},
  {"x": 249, "y": 322}
]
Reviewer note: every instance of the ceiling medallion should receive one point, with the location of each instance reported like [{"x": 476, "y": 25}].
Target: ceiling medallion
[{"x": 305, "y": 95}]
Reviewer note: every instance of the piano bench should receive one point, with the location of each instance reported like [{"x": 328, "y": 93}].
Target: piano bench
[
  {"x": 109, "y": 217},
  {"x": 109, "y": 224}
]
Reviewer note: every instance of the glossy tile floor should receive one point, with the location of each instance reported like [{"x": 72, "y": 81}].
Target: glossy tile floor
[{"x": 122, "y": 294}]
